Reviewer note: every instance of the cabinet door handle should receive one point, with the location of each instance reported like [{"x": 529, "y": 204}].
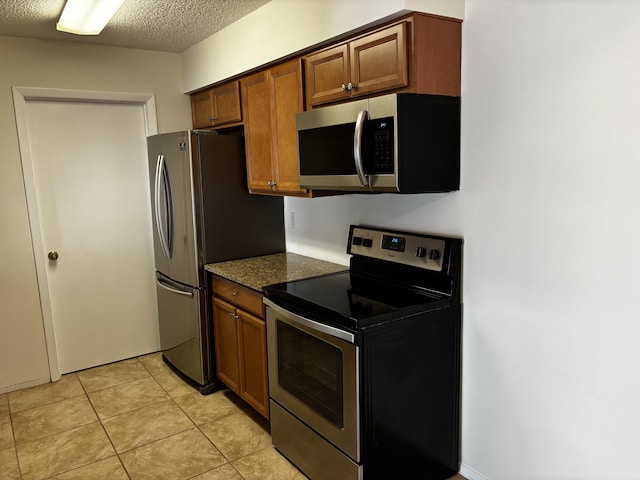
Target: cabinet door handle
[
  {"x": 234, "y": 294},
  {"x": 350, "y": 86}
]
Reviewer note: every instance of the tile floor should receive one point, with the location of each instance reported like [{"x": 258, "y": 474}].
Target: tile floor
[{"x": 135, "y": 420}]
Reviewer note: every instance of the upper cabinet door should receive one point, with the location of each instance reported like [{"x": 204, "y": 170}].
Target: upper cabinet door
[
  {"x": 226, "y": 103},
  {"x": 371, "y": 63},
  {"x": 270, "y": 100},
  {"x": 379, "y": 61},
  {"x": 327, "y": 75},
  {"x": 256, "y": 106},
  {"x": 419, "y": 54},
  {"x": 285, "y": 83},
  {"x": 201, "y": 109},
  {"x": 216, "y": 106}
]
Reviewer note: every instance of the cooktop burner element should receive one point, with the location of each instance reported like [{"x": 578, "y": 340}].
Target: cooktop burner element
[
  {"x": 355, "y": 297},
  {"x": 392, "y": 274}
]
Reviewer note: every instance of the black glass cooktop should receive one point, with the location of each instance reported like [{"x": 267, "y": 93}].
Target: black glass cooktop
[{"x": 352, "y": 296}]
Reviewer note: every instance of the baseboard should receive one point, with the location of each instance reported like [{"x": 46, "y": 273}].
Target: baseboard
[
  {"x": 20, "y": 386},
  {"x": 470, "y": 474}
]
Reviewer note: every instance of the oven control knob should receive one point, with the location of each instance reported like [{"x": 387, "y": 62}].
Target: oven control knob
[
  {"x": 356, "y": 241},
  {"x": 421, "y": 252},
  {"x": 434, "y": 254},
  {"x": 367, "y": 242}
]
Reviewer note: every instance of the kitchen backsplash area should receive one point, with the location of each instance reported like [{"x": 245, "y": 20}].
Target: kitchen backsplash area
[{"x": 318, "y": 227}]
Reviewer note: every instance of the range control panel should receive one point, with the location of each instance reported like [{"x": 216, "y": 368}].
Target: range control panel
[{"x": 412, "y": 249}]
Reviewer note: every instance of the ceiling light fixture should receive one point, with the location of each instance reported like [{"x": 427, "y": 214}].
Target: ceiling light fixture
[{"x": 87, "y": 17}]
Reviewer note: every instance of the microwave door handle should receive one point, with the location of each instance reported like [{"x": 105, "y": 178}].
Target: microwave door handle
[{"x": 357, "y": 147}]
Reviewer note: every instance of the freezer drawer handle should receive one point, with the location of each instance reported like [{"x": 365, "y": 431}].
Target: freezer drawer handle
[{"x": 174, "y": 290}]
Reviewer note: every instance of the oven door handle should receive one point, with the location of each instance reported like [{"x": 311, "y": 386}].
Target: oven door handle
[{"x": 310, "y": 324}]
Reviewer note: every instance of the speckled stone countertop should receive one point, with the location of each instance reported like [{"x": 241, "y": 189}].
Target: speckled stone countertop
[{"x": 259, "y": 272}]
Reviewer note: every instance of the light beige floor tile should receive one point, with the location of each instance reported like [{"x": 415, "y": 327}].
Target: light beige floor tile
[
  {"x": 238, "y": 435},
  {"x": 174, "y": 385},
  {"x": 4, "y": 404},
  {"x": 113, "y": 374},
  {"x": 225, "y": 472},
  {"x": 137, "y": 428},
  {"x": 9, "y": 464},
  {"x": 53, "y": 418},
  {"x": 67, "y": 387},
  {"x": 267, "y": 464},
  {"x": 127, "y": 397},
  {"x": 178, "y": 457},
  {"x": 207, "y": 408},
  {"x": 155, "y": 365},
  {"x": 107, "y": 469},
  {"x": 6, "y": 432},
  {"x": 60, "y": 453}
]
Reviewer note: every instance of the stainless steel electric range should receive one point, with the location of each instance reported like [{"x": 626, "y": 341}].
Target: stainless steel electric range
[{"x": 364, "y": 365}]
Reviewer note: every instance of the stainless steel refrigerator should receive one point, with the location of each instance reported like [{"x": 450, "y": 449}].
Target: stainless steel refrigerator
[{"x": 202, "y": 213}]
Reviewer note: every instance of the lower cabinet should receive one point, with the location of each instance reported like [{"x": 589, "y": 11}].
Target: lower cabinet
[{"x": 241, "y": 342}]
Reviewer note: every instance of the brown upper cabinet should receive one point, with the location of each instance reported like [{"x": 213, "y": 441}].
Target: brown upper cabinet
[
  {"x": 270, "y": 100},
  {"x": 420, "y": 53},
  {"x": 216, "y": 106}
]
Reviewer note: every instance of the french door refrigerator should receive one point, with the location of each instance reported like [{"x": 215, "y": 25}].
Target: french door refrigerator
[{"x": 202, "y": 213}]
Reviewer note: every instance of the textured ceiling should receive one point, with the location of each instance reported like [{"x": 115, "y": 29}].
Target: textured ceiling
[{"x": 163, "y": 25}]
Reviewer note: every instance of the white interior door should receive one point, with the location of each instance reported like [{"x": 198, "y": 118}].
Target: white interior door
[{"x": 91, "y": 185}]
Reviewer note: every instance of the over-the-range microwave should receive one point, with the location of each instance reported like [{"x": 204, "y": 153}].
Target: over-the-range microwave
[{"x": 403, "y": 143}]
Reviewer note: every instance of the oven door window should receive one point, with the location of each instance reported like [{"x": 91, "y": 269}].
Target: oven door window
[{"x": 312, "y": 371}]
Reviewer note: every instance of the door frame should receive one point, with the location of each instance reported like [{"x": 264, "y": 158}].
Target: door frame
[{"x": 21, "y": 95}]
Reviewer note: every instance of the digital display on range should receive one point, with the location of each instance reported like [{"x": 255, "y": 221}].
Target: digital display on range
[{"x": 392, "y": 242}]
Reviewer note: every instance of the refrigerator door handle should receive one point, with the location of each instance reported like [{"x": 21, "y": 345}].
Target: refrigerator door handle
[
  {"x": 162, "y": 186},
  {"x": 160, "y": 283}
]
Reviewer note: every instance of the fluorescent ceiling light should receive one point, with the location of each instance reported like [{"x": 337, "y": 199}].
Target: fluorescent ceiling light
[{"x": 87, "y": 17}]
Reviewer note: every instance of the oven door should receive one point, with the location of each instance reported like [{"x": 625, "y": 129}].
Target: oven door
[{"x": 313, "y": 373}]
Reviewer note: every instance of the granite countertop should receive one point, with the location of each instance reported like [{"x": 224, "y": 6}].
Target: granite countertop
[{"x": 259, "y": 272}]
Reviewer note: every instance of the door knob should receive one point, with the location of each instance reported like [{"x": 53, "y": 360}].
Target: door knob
[{"x": 53, "y": 255}]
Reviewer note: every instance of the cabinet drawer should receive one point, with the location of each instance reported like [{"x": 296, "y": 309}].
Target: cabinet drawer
[{"x": 242, "y": 297}]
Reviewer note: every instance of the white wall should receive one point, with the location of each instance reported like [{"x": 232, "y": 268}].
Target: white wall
[
  {"x": 549, "y": 210},
  {"x": 34, "y": 63},
  {"x": 282, "y": 27}
]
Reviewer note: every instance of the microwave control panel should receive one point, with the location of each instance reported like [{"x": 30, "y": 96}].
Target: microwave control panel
[
  {"x": 415, "y": 250},
  {"x": 382, "y": 145}
]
